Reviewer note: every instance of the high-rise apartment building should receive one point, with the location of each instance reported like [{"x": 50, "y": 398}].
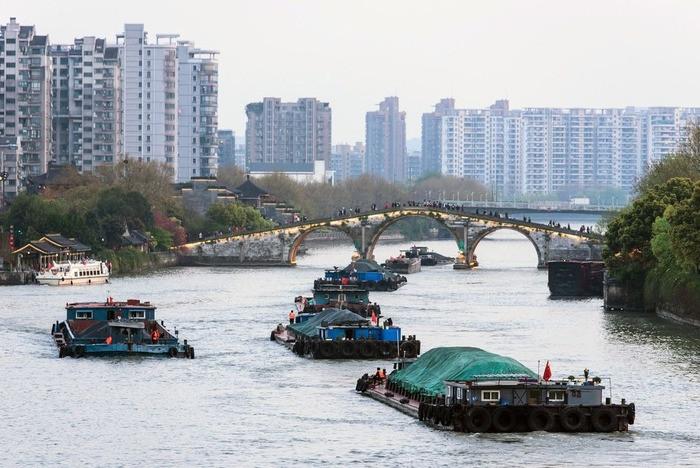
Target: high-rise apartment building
[
  {"x": 25, "y": 96},
  {"x": 86, "y": 114},
  {"x": 385, "y": 141},
  {"x": 287, "y": 136},
  {"x": 431, "y": 135},
  {"x": 198, "y": 89},
  {"x": 227, "y": 148},
  {"x": 10, "y": 158},
  {"x": 348, "y": 161},
  {"x": 149, "y": 96},
  {"x": 546, "y": 150}
]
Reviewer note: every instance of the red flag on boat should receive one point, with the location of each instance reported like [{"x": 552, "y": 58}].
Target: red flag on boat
[
  {"x": 373, "y": 320},
  {"x": 108, "y": 340},
  {"x": 547, "y": 374}
]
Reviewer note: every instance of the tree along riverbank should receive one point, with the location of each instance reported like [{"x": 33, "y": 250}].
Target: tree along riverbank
[{"x": 653, "y": 245}]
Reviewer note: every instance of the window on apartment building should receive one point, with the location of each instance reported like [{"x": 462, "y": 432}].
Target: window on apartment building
[
  {"x": 148, "y": 74},
  {"x": 148, "y": 149},
  {"x": 139, "y": 127},
  {"x": 148, "y": 52},
  {"x": 194, "y": 150},
  {"x": 194, "y": 140},
  {"x": 194, "y": 88},
  {"x": 194, "y": 160},
  {"x": 148, "y": 63},
  {"x": 194, "y": 98},
  {"x": 194, "y": 171}
]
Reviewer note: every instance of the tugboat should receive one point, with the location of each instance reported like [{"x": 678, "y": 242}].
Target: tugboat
[
  {"x": 351, "y": 297},
  {"x": 341, "y": 334},
  {"x": 406, "y": 263},
  {"x": 74, "y": 273},
  {"x": 430, "y": 258},
  {"x": 470, "y": 390},
  {"x": 366, "y": 274},
  {"x": 114, "y": 328}
]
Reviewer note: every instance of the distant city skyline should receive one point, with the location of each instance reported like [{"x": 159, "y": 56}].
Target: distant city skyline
[{"x": 536, "y": 54}]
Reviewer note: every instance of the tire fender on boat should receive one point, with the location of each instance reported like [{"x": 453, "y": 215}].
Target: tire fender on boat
[
  {"x": 172, "y": 352},
  {"x": 604, "y": 419},
  {"x": 478, "y": 419},
  {"x": 572, "y": 419},
  {"x": 540, "y": 419},
  {"x": 504, "y": 419}
]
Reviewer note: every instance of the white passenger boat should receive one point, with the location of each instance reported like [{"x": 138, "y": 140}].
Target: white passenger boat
[{"x": 73, "y": 273}]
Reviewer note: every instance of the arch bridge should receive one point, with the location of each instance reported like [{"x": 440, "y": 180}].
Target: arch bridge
[{"x": 280, "y": 245}]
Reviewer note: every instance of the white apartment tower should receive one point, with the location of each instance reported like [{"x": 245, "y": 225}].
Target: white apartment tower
[
  {"x": 149, "y": 96},
  {"x": 86, "y": 117},
  {"x": 198, "y": 82},
  {"x": 25, "y": 101},
  {"x": 546, "y": 150}
]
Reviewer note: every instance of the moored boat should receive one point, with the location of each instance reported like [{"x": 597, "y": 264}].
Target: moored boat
[
  {"x": 69, "y": 273},
  {"x": 113, "y": 328},
  {"x": 341, "y": 334},
  {"x": 470, "y": 390}
]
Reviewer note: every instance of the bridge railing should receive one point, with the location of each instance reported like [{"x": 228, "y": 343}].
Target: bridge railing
[{"x": 463, "y": 211}]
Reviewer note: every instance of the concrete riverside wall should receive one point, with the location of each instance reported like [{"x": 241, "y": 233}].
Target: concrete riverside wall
[
  {"x": 11, "y": 278},
  {"x": 689, "y": 315}
]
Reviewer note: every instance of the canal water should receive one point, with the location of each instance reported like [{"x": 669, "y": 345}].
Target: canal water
[{"x": 246, "y": 401}]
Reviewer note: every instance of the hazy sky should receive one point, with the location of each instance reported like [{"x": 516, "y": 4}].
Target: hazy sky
[{"x": 353, "y": 53}]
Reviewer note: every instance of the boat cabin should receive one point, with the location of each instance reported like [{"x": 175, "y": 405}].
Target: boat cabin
[
  {"x": 518, "y": 390},
  {"x": 327, "y": 293},
  {"x": 133, "y": 309},
  {"x": 350, "y": 332}
]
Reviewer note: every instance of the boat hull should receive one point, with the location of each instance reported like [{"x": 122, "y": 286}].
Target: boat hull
[
  {"x": 450, "y": 418},
  {"x": 124, "y": 349},
  {"x": 405, "y": 268},
  {"x": 63, "y": 281}
]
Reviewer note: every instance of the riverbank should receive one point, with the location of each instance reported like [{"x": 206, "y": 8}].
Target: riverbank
[{"x": 131, "y": 261}]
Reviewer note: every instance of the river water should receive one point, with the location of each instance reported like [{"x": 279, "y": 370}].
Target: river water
[{"x": 248, "y": 401}]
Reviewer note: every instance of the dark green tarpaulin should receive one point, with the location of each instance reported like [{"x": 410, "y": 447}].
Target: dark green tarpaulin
[
  {"x": 428, "y": 373},
  {"x": 331, "y": 317}
]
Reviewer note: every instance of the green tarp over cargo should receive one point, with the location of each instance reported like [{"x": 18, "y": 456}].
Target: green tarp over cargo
[
  {"x": 428, "y": 373},
  {"x": 335, "y": 317}
]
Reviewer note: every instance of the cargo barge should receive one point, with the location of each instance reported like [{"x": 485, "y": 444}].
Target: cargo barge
[
  {"x": 342, "y": 334},
  {"x": 573, "y": 278},
  {"x": 116, "y": 328},
  {"x": 470, "y": 390},
  {"x": 351, "y": 297},
  {"x": 366, "y": 274},
  {"x": 406, "y": 263},
  {"x": 430, "y": 258}
]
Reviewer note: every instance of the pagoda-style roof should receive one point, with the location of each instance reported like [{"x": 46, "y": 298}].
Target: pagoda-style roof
[
  {"x": 39, "y": 247},
  {"x": 65, "y": 242},
  {"x": 249, "y": 190}
]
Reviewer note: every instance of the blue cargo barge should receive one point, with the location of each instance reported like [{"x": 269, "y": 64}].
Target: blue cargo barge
[
  {"x": 342, "y": 334},
  {"x": 366, "y": 274},
  {"x": 116, "y": 328}
]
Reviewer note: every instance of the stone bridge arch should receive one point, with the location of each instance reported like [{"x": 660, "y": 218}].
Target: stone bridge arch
[
  {"x": 303, "y": 234},
  {"x": 480, "y": 235},
  {"x": 379, "y": 229}
]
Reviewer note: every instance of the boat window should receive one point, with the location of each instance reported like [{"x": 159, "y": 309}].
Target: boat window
[
  {"x": 459, "y": 393},
  {"x": 83, "y": 315},
  {"x": 449, "y": 392},
  {"x": 556, "y": 395},
  {"x": 137, "y": 314},
  {"x": 490, "y": 395}
]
